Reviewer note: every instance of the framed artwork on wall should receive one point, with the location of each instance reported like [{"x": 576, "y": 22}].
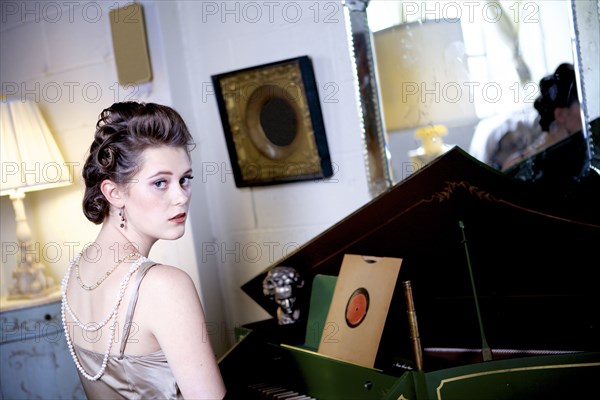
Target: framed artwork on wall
[{"x": 273, "y": 125}]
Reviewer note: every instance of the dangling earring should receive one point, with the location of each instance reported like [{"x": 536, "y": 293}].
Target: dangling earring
[{"x": 122, "y": 215}]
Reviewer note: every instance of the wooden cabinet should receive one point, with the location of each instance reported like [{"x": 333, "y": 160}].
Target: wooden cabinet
[{"x": 34, "y": 358}]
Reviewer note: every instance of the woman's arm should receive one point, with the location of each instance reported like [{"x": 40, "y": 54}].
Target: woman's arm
[{"x": 180, "y": 328}]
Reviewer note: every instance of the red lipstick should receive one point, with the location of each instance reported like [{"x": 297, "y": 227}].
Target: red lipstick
[{"x": 179, "y": 218}]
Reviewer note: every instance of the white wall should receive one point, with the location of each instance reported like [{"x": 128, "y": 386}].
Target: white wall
[
  {"x": 49, "y": 48},
  {"x": 253, "y": 227}
]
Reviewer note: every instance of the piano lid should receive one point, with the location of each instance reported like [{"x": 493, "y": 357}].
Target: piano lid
[{"x": 522, "y": 242}]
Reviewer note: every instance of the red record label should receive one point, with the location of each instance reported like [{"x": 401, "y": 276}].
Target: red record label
[{"x": 357, "y": 307}]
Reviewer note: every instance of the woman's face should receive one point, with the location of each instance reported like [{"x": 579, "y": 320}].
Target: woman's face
[{"x": 157, "y": 199}]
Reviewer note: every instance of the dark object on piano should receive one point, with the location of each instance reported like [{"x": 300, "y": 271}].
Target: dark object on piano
[
  {"x": 282, "y": 285},
  {"x": 533, "y": 261}
]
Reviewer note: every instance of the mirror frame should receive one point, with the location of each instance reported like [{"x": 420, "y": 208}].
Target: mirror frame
[
  {"x": 585, "y": 26},
  {"x": 376, "y": 153}
]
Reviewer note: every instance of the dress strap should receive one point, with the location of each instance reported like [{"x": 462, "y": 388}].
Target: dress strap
[{"x": 144, "y": 268}]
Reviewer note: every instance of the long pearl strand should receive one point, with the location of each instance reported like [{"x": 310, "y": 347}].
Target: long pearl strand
[
  {"x": 91, "y": 327},
  {"x": 65, "y": 306}
]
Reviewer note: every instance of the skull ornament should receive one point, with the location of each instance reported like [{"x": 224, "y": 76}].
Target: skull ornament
[{"x": 280, "y": 285}]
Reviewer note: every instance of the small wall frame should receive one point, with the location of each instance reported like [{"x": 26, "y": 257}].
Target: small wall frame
[{"x": 273, "y": 125}]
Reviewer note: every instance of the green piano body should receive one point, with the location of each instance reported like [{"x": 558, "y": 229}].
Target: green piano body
[{"x": 494, "y": 264}]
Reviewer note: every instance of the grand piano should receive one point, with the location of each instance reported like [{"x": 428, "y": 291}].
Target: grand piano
[{"x": 504, "y": 287}]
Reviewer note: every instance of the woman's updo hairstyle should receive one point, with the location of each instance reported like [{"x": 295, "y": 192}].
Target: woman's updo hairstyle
[
  {"x": 556, "y": 90},
  {"x": 123, "y": 132}
]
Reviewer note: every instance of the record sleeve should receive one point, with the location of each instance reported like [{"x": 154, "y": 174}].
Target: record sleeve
[{"x": 359, "y": 308}]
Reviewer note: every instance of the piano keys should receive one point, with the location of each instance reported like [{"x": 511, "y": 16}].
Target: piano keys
[{"x": 274, "y": 392}]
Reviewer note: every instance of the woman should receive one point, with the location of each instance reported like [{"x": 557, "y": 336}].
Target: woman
[
  {"x": 136, "y": 328},
  {"x": 559, "y": 112}
]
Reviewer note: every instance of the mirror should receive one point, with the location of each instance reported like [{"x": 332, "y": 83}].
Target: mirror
[{"x": 472, "y": 71}]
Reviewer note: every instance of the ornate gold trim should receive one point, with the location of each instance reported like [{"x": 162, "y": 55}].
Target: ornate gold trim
[
  {"x": 451, "y": 186},
  {"x": 257, "y": 159},
  {"x": 508, "y": 370}
]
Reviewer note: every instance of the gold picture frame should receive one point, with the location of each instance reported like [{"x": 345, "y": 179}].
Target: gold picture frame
[{"x": 273, "y": 125}]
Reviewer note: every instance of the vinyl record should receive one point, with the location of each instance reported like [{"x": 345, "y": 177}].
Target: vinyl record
[
  {"x": 364, "y": 285},
  {"x": 357, "y": 307}
]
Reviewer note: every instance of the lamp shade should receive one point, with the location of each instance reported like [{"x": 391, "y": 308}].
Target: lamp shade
[
  {"x": 30, "y": 159},
  {"x": 423, "y": 74}
]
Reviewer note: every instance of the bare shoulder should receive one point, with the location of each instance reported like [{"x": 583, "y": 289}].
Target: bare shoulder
[
  {"x": 167, "y": 280},
  {"x": 167, "y": 272},
  {"x": 166, "y": 288}
]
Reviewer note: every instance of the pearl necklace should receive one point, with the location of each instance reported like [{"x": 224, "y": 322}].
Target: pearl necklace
[
  {"x": 94, "y": 286},
  {"x": 92, "y": 327},
  {"x": 65, "y": 306}
]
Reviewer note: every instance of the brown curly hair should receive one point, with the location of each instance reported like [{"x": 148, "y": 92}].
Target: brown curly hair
[{"x": 123, "y": 131}]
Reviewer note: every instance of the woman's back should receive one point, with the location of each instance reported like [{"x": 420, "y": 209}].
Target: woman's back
[
  {"x": 146, "y": 375},
  {"x": 93, "y": 307}
]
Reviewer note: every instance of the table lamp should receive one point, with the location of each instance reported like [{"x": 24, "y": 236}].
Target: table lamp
[
  {"x": 30, "y": 161},
  {"x": 432, "y": 145}
]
